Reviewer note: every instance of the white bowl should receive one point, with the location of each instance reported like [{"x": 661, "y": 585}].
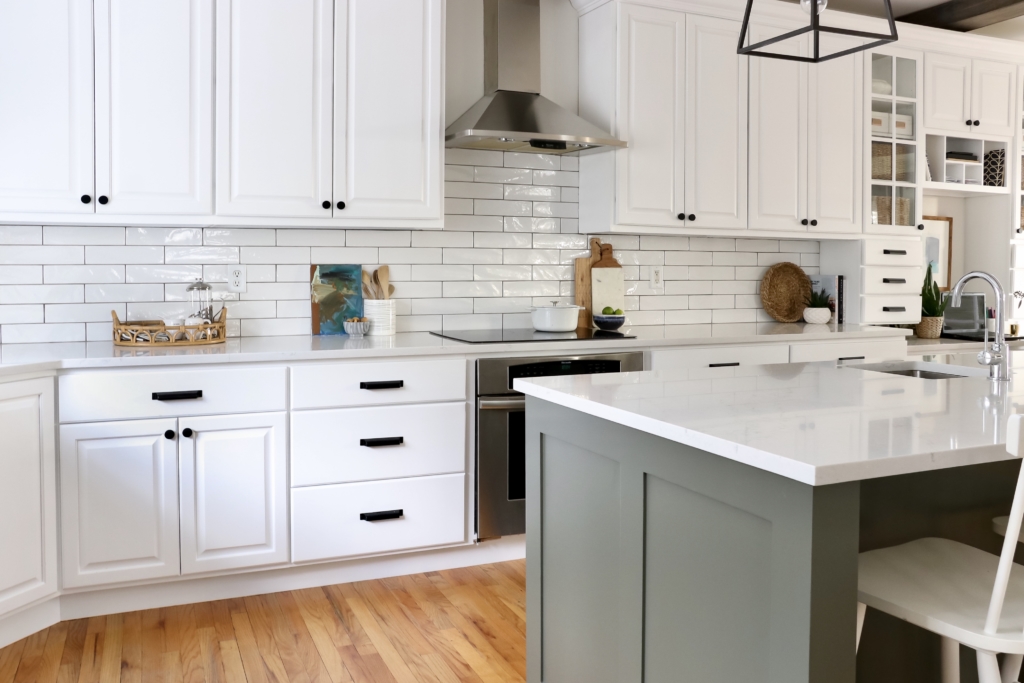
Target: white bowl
[{"x": 556, "y": 317}]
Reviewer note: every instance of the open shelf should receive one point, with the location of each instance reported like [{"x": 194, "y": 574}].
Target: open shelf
[
  {"x": 956, "y": 190},
  {"x": 957, "y": 166}
]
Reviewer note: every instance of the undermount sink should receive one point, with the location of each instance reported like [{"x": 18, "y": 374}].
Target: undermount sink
[
  {"x": 923, "y": 370},
  {"x": 923, "y": 374}
]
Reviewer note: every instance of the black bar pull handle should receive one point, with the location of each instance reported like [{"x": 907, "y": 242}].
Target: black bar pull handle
[
  {"x": 386, "y": 441},
  {"x": 894, "y": 309},
  {"x": 373, "y": 386},
  {"x": 894, "y": 252},
  {"x": 894, "y": 281},
  {"x": 852, "y": 358},
  {"x": 381, "y": 516},
  {"x": 176, "y": 395},
  {"x": 723, "y": 365}
]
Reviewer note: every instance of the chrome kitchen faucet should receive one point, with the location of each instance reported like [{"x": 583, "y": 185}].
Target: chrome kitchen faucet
[{"x": 995, "y": 355}]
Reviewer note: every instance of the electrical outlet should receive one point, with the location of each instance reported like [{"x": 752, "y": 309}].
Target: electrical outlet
[
  {"x": 236, "y": 279},
  {"x": 656, "y": 278}
]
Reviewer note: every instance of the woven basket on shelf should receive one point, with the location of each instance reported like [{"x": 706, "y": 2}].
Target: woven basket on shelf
[
  {"x": 929, "y": 328},
  {"x": 785, "y": 289},
  {"x": 150, "y": 333},
  {"x": 882, "y": 207},
  {"x": 881, "y": 161}
]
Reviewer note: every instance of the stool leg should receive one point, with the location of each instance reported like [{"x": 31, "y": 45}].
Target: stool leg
[
  {"x": 988, "y": 668},
  {"x": 950, "y": 661},
  {"x": 1011, "y": 668},
  {"x": 861, "y": 609}
]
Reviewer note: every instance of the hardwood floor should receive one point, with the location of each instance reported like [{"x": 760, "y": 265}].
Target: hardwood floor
[{"x": 462, "y": 625}]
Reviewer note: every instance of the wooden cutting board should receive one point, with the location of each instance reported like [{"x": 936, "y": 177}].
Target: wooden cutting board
[
  {"x": 583, "y": 283},
  {"x": 607, "y": 283}
]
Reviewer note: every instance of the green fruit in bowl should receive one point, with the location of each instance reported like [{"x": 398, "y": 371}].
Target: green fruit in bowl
[
  {"x": 618, "y": 312},
  {"x": 608, "y": 310}
]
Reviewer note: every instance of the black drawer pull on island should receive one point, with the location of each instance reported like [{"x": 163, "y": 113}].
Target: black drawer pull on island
[
  {"x": 381, "y": 516},
  {"x": 723, "y": 365},
  {"x": 373, "y": 386},
  {"x": 177, "y": 395},
  {"x": 384, "y": 441}
]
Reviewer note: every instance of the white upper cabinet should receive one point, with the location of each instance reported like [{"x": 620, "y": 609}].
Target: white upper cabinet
[
  {"x": 962, "y": 95},
  {"x": 387, "y": 109},
  {"x": 119, "y": 501},
  {"x": 28, "y": 494},
  {"x": 46, "y": 106},
  {"x": 154, "y": 106},
  {"x": 234, "y": 492},
  {"x": 274, "y": 111}
]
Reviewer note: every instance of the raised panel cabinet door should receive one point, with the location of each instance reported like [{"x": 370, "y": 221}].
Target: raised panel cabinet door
[
  {"x": 716, "y": 125},
  {"x": 274, "y": 110},
  {"x": 778, "y": 137},
  {"x": 993, "y": 103},
  {"x": 234, "y": 492},
  {"x": 119, "y": 501},
  {"x": 28, "y": 494},
  {"x": 652, "y": 92},
  {"x": 46, "y": 106},
  {"x": 387, "y": 109},
  {"x": 835, "y": 152},
  {"x": 947, "y": 92},
  {"x": 154, "y": 106}
]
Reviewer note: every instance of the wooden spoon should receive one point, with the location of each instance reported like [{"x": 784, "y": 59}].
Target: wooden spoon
[
  {"x": 376, "y": 284},
  {"x": 368, "y": 285},
  {"x": 391, "y": 291},
  {"x": 383, "y": 276}
]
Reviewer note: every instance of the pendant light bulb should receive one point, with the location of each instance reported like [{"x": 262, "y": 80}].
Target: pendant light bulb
[{"x": 805, "y": 5}]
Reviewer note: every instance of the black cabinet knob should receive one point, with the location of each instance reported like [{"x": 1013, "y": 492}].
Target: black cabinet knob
[
  {"x": 804, "y": 222},
  {"x": 969, "y": 123},
  {"x": 813, "y": 223},
  {"x": 102, "y": 199},
  {"x": 326, "y": 204},
  {"x": 341, "y": 205},
  {"x": 169, "y": 435},
  {"x": 691, "y": 217},
  {"x": 187, "y": 433},
  {"x": 681, "y": 216},
  {"x": 86, "y": 199},
  {"x": 921, "y": 226},
  {"x": 977, "y": 123}
]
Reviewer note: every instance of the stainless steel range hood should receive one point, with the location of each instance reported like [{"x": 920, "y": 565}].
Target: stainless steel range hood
[{"x": 513, "y": 116}]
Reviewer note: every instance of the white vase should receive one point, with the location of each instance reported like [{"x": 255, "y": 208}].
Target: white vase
[
  {"x": 817, "y": 316},
  {"x": 381, "y": 314}
]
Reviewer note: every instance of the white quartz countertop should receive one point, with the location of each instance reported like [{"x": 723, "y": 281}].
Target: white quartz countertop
[
  {"x": 19, "y": 358},
  {"x": 817, "y": 423}
]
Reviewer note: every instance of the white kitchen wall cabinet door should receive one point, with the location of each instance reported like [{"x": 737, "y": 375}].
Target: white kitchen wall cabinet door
[
  {"x": 993, "y": 104},
  {"x": 651, "y": 110},
  {"x": 154, "y": 106},
  {"x": 119, "y": 501},
  {"x": 46, "y": 106},
  {"x": 835, "y": 153},
  {"x": 716, "y": 125},
  {"x": 947, "y": 93},
  {"x": 274, "y": 111},
  {"x": 778, "y": 137},
  {"x": 234, "y": 492},
  {"x": 387, "y": 109},
  {"x": 28, "y": 494}
]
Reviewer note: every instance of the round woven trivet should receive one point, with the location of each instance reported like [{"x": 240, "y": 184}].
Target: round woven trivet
[{"x": 784, "y": 291}]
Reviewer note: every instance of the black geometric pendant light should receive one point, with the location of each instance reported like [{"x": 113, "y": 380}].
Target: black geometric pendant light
[{"x": 814, "y": 8}]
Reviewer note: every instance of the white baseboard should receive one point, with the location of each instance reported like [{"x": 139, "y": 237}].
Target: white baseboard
[
  {"x": 128, "y": 599},
  {"x": 25, "y": 622}
]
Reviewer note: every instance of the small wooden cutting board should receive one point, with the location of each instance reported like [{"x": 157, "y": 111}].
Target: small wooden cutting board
[{"x": 583, "y": 283}]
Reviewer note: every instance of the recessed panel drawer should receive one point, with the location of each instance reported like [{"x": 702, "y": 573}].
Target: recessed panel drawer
[
  {"x": 342, "y": 385},
  {"x": 362, "y": 444},
  {"x": 883, "y": 349},
  {"x": 892, "y": 253},
  {"x": 377, "y": 517},
  {"x": 890, "y": 310},
  {"x": 692, "y": 358},
  {"x": 131, "y": 395},
  {"x": 892, "y": 280}
]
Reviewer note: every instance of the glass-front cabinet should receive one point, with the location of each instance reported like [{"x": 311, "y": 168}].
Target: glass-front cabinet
[{"x": 895, "y": 153}]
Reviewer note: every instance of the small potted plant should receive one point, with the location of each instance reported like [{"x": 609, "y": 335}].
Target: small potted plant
[
  {"x": 817, "y": 311},
  {"x": 933, "y": 307}
]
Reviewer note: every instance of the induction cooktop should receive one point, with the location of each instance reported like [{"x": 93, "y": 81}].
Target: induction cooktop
[{"x": 510, "y": 336}]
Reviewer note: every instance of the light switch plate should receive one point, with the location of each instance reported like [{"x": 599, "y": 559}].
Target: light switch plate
[{"x": 236, "y": 278}]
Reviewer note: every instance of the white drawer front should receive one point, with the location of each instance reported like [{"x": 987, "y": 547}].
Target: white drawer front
[
  {"x": 892, "y": 253},
  {"x": 326, "y": 521},
  {"x": 326, "y": 446},
  {"x": 886, "y": 349},
  {"x": 892, "y": 280},
  {"x": 120, "y": 395},
  {"x": 366, "y": 384},
  {"x": 890, "y": 310},
  {"x": 689, "y": 359}
]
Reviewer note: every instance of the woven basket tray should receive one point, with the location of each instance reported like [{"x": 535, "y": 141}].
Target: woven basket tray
[
  {"x": 151, "y": 333},
  {"x": 784, "y": 291}
]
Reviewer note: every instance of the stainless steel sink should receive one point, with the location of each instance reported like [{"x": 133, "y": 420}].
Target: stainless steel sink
[
  {"x": 922, "y": 369},
  {"x": 922, "y": 374}
]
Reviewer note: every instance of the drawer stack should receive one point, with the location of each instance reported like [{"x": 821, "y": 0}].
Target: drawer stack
[
  {"x": 891, "y": 279},
  {"x": 378, "y": 457}
]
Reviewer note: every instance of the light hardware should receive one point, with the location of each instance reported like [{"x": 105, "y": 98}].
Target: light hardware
[{"x": 815, "y": 29}]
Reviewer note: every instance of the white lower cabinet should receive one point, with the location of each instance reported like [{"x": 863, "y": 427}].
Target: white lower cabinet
[
  {"x": 119, "y": 501},
  {"x": 366, "y": 518},
  {"x": 234, "y": 491},
  {"x": 882, "y": 349},
  {"x": 722, "y": 356},
  {"x": 28, "y": 494}
]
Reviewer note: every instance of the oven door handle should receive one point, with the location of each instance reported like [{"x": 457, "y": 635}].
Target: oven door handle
[{"x": 511, "y": 404}]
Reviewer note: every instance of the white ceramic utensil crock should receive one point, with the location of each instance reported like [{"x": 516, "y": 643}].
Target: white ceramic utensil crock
[{"x": 556, "y": 317}]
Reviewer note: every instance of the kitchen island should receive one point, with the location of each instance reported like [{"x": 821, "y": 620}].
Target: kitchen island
[{"x": 705, "y": 525}]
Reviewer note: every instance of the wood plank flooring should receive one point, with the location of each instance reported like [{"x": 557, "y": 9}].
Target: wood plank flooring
[{"x": 463, "y": 625}]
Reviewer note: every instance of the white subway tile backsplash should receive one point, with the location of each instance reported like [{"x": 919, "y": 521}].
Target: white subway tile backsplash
[
  {"x": 296, "y": 237},
  {"x": 21, "y": 275},
  {"x": 82, "y": 234},
  {"x": 456, "y": 207},
  {"x": 508, "y": 304},
  {"x": 138, "y": 237},
  {"x": 504, "y": 176},
  {"x": 287, "y": 255},
  {"x": 410, "y": 255},
  {"x": 159, "y": 310},
  {"x": 83, "y": 313},
  {"x": 42, "y": 294},
  {"x": 458, "y": 174},
  {"x": 571, "y": 194},
  {"x": 15, "y": 255},
  {"x": 524, "y": 224},
  {"x": 473, "y": 223},
  {"x": 378, "y": 238},
  {"x": 674, "y": 287},
  {"x": 95, "y": 332},
  {"x": 781, "y": 257},
  {"x": 713, "y": 301},
  {"x": 272, "y": 291},
  {"x": 503, "y": 272},
  {"x": 343, "y": 255},
  {"x": 665, "y": 302},
  {"x": 712, "y": 273},
  {"x": 757, "y": 245},
  {"x": 276, "y": 327},
  {"x": 691, "y": 317},
  {"x": 204, "y": 255},
  {"x": 666, "y": 243},
  {"x": 732, "y": 316},
  {"x": 553, "y": 272},
  {"x": 503, "y": 240},
  {"x": 569, "y": 225},
  {"x": 240, "y": 237},
  {"x": 472, "y": 256},
  {"x": 111, "y": 293},
  {"x": 472, "y": 191},
  {"x": 433, "y": 238},
  {"x": 473, "y": 157},
  {"x": 641, "y": 318},
  {"x": 734, "y": 258},
  {"x": 290, "y": 273},
  {"x": 471, "y": 322},
  {"x": 735, "y": 287},
  {"x": 800, "y": 246},
  {"x": 531, "y": 256},
  {"x": 499, "y": 207},
  {"x": 32, "y": 334},
  {"x": 712, "y": 244},
  {"x": 22, "y": 313},
  {"x": 556, "y": 210},
  {"x": 548, "y": 162},
  {"x": 179, "y": 292},
  {"x": 570, "y": 162},
  {"x": 21, "y": 234},
  {"x": 124, "y": 255},
  {"x": 267, "y": 309},
  {"x": 560, "y": 178},
  {"x": 442, "y": 273},
  {"x": 418, "y": 290},
  {"x": 445, "y": 306},
  {"x": 533, "y": 288},
  {"x": 474, "y": 289},
  {"x": 58, "y": 275},
  {"x": 419, "y": 323},
  {"x": 533, "y": 193},
  {"x": 160, "y": 273}
]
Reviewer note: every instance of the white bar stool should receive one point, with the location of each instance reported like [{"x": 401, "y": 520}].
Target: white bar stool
[{"x": 963, "y": 594}]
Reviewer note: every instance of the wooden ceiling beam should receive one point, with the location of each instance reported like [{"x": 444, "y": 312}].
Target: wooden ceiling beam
[{"x": 966, "y": 15}]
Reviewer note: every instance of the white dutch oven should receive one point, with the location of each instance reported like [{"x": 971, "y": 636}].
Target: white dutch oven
[{"x": 556, "y": 317}]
